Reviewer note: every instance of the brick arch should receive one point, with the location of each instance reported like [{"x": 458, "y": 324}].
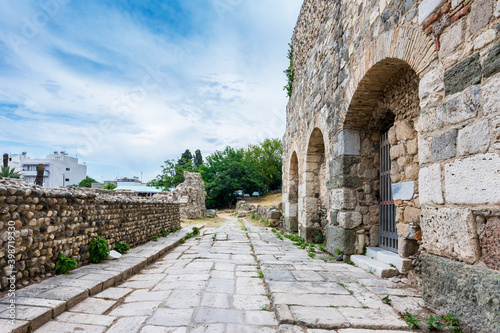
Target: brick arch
[{"x": 390, "y": 52}]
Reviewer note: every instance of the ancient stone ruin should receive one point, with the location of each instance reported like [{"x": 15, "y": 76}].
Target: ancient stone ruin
[
  {"x": 190, "y": 195},
  {"x": 50, "y": 221},
  {"x": 393, "y": 140}
]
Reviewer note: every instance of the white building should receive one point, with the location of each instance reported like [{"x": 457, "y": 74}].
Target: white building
[{"x": 60, "y": 169}]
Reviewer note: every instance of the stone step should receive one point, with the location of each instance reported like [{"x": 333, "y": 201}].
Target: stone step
[
  {"x": 374, "y": 266},
  {"x": 387, "y": 257}
]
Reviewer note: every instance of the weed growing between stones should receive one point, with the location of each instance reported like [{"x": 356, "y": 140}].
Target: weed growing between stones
[
  {"x": 196, "y": 231},
  {"x": 411, "y": 320},
  {"x": 182, "y": 240},
  {"x": 98, "y": 250},
  {"x": 432, "y": 323},
  {"x": 122, "y": 247},
  {"x": 188, "y": 235},
  {"x": 65, "y": 264},
  {"x": 350, "y": 262},
  {"x": 155, "y": 238},
  {"x": 387, "y": 300}
]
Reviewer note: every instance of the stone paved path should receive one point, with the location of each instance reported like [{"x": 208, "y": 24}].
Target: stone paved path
[{"x": 212, "y": 284}]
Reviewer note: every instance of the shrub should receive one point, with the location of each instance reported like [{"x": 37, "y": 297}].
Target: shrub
[
  {"x": 122, "y": 247},
  {"x": 174, "y": 229},
  {"x": 65, "y": 264},
  {"x": 98, "y": 250},
  {"x": 196, "y": 231},
  {"x": 318, "y": 237}
]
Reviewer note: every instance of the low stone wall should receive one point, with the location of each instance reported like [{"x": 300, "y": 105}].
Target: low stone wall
[
  {"x": 270, "y": 214},
  {"x": 39, "y": 223},
  {"x": 472, "y": 293}
]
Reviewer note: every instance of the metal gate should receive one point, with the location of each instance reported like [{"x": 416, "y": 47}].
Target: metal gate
[{"x": 388, "y": 236}]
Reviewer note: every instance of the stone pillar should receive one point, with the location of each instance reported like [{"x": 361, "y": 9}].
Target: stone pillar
[{"x": 40, "y": 170}]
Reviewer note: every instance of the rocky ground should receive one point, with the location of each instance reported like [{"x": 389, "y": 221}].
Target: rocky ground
[{"x": 243, "y": 278}]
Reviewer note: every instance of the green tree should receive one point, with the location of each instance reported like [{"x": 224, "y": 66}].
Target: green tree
[
  {"x": 110, "y": 186},
  {"x": 172, "y": 174},
  {"x": 268, "y": 160},
  {"x": 87, "y": 182},
  {"x": 8, "y": 172},
  {"x": 198, "y": 159}
]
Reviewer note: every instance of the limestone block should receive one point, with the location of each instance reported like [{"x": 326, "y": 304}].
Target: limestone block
[
  {"x": 497, "y": 10},
  {"x": 343, "y": 198},
  {"x": 412, "y": 215},
  {"x": 391, "y": 134},
  {"x": 412, "y": 146},
  {"x": 424, "y": 150},
  {"x": 374, "y": 236},
  {"x": 466, "y": 73},
  {"x": 291, "y": 209},
  {"x": 451, "y": 39},
  {"x": 398, "y": 151},
  {"x": 404, "y": 131},
  {"x": 349, "y": 219},
  {"x": 489, "y": 243},
  {"x": 428, "y": 7},
  {"x": 444, "y": 146},
  {"x": 450, "y": 232},
  {"x": 411, "y": 172},
  {"x": 114, "y": 255},
  {"x": 349, "y": 142},
  {"x": 490, "y": 98},
  {"x": 463, "y": 107},
  {"x": 430, "y": 185},
  {"x": 474, "y": 139},
  {"x": 407, "y": 247},
  {"x": 431, "y": 119},
  {"x": 484, "y": 39},
  {"x": 480, "y": 14},
  {"x": 431, "y": 88},
  {"x": 473, "y": 180}
]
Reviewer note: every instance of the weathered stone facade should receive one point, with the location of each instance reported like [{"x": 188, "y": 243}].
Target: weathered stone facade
[
  {"x": 426, "y": 74},
  {"x": 190, "y": 195},
  {"x": 49, "y": 221}
]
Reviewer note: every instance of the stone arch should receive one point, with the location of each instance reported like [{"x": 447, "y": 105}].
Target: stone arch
[
  {"x": 405, "y": 44},
  {"x": 291, "y": 215},
  {"x": 381, "y": 120},
  {"x": 315, "y": 198}
]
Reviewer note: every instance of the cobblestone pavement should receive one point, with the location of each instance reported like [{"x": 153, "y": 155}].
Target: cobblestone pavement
[{"x": 212, "y": 284}]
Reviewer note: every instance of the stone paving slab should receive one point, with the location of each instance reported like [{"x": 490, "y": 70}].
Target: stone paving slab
[{"x": 41, "y": 302}]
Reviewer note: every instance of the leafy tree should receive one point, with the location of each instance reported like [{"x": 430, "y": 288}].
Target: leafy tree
[
  {"x": 110, "y": 186},
  {"x": 172, "y": 174},
  {"x": 186, "y": 158},
  {"x": 198, "y": 159},
  {"x": 267, "y": 157},
  {"x": 87, "y": 182},
  {"x": 8, "y": 172}
]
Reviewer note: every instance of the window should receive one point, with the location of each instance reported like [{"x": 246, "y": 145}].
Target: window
[
  {"x": 67, "y": 179},
  {"x": 67, "y": 169},
  {"x": 30, "y": 167}
]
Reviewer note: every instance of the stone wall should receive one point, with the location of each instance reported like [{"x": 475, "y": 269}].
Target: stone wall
[
  {"x": 426, "y": 71},
  {"x": 270, "y": 214},
  {"x": 49, "y": 221},
  {"x": 190, "y": 195}
]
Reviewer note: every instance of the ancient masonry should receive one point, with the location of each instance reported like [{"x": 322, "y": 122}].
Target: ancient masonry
[
  {"x": 190, "y": 195},
  {"x": 393, "y": 140},
  {"x": 50, "y": 221}
]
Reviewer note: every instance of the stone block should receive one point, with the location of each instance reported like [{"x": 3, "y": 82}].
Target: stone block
[
  {"x": 342, "y": 165},
  {"x": 451, "y": 39},
  {"x": 407, "y": 247},
  {"x": 404, "y": 131},
  {"x": 444, "y": 146},
  {"x": 349, "y": 219},
  {"x": 480, "y": 15},
  {"x": 492, "y": 61},
  {"x": 473, "y": 180},
  {"x": 490, "y": 245},
  {"x": 467, "y": 291},
  {"x": 398, "y": 151},
  {"x": 308, "y": 233},
  {"x": 463, "y": 107},
  {"x": 424, "y": 150},
  {"x": 474, "y": 139},
  {"x": 497, "y": 10},
  {"x": 428, "y": 7},
  {"x": 403, "y": 190},
  {"x": 431, "y": 88},
  {"x": 450, "y": 232},
  {"x": 484, "y": 39},
  {"x": 464, "y": 74},
  {"x": 412, "y": 215},
  {"x": 340, "y": 238},
  {"x": 349, "y": 142},
  {"x": 343, "y": 198},
  {"x": 490, "y": 98},
  {"x": 430, "y": 185},
  {"x": 374, "y": 235}
]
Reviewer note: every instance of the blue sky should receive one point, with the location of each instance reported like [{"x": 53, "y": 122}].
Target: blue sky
[{"x": 126, "y": 85}]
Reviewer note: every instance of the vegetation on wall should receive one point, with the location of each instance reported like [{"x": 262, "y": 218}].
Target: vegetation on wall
[{"x": 290, "y": 72}]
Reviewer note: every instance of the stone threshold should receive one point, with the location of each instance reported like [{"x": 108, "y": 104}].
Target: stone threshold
[
  {"x": 382, "y": 263},
  {"x": 38, "y": 303}
]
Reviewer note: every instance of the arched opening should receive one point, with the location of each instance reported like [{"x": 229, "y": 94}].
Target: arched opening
[
  {"x": 383, "y": 113},
  {"x": 291, "y": 216},
  {"x": 312, "y": 228}
]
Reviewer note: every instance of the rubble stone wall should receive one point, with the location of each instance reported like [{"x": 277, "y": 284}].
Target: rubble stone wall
[
  {"x": 49, "y": 221},
  {"x": 426, "y": 71}
]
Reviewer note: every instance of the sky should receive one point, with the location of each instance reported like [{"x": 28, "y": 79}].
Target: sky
[{"x": 125, "y": 85}]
